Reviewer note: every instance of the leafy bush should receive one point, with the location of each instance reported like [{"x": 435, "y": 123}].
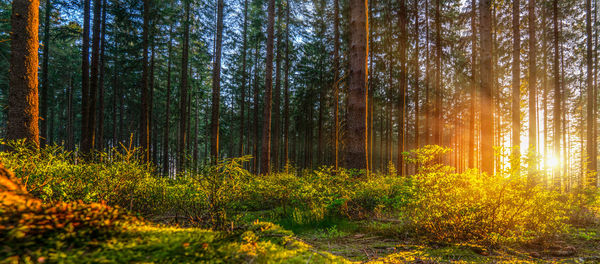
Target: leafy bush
[{"x": 477, "y": 206}]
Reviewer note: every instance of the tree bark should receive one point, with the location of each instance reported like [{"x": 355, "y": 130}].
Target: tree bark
[
  {"x": 487, "y": 128},
  {"x": 403, "y": 38},
  {"x": 592, "y": 148},
  {"x": 533, "y": 119},
  {"x": 516, "y": 86},
  {"x": 216, "y": 87},
  {"x": 85, "y": 77},
  {"x": 182, "y": 139},
  {"x": 474, "y": 78},
  {"x": 557, "y": 94},
  {"x": 145, "y": 99},
  {"x": 336, "y": 80},
  {"x": 22, "y": 119},
  {"x": 265, "y": 161},
  {"x": 100, "y": 128},
  {"x": 244, "y": 78},
  {"x": 167, "y": 124},
  {"x": 356, "y": 145},
  {"x": 45, "y": 86}
]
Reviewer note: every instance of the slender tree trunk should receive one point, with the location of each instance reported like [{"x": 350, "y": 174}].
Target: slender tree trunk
[
  {"x": 427, "y": 78},
  {"x": 94, "y": 78},
  {"x": 85, "y": 77},
  {"x": 23, "y": 116},
  {"x": 516, "y": 86},
  {"x": 167, "y": 124},
  {"x": 474, "y": 79},
  {"x": 276, "y": 126},
  {"x": 592, "y": 148},
  {"x": 115, "y": 88},
  {"x": 216, "y": 87},
  {"x": 286, "y": 110},
  {"x": 265, "y": 161},
  {"x": 545, "y": 88},
  {"x": 487, "y": 128},
  {"x": 336, "y": 80},
  {"x": 557, "y": 93},
  {"x": 356, "y": 156},
  {"x": 256, "y": 106},
  {"x": 100, "y": 128},
  {"x": 417, "y": 73},
  {"x": 145, "y": 99},
  {"x": 402, "y": 84},
  {"x": 70, "y": 136},
  {"x": 183, "y": 91},
  {"x": 533, "y": 130},
  {"x": 439, "y": 121},
  {"x": 45, "y": 85},
  {"x": 244, "y": 80}
]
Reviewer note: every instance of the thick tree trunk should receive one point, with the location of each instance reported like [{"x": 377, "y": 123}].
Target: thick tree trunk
[
  {"x": 265, "y": 161},
  {"x": 22, "y": 120},
  {"x": 417, "y": 73},
  {"x": 356, "y": 145},
  {"x": 216, "y": 87},
  {"x": 487, "y": 128}
]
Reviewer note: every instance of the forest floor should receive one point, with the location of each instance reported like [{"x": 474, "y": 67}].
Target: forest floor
[{"x": 378, "y": 242}]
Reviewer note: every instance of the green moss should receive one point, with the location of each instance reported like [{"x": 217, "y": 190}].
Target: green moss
[{"x": 259, "y": 243}]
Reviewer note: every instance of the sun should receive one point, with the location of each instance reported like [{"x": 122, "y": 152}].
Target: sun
[{"x": 552, "y": 161}]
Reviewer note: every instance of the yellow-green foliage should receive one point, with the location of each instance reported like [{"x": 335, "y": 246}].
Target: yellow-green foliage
[{"x": 476, "y": 206}]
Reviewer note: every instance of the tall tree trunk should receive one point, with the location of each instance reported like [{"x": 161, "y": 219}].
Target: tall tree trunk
[
  {"x": 516, "y": 86},
  {"x": 45, "y": 85},
  {"x": 167, "y": 124},
  {"x": 427, "y": 78},
  {"x": 100, "y": 128},
  {"x": 85, "y": 77},
  {"x": 545, "y": 88},
  {"x": 23, "y": 75},
  {"x": 487, "y": 128},
  {"x": 356, "y": 156},
  {"x": 94, "y": 77},
  {"x": 216, "y": 87},
  {"x": 244, "y": 78},
  {"x": 70, "y": 135},
  {"x": 145, "y": 99},
  {"x": 286, "y": 109},
  {"x": 277, "y": 93},
  {"x": 592, "y": 148},
  {"x": 533, "y": 130},
  {"x": 255, "y": 164},
  {"x": 439, "y": 121},
  {"x": 336, "y": 81},
  {"x": 474, "y": 78},
  {"x": 417, "y": 73},
  {"x": 183, "y": 90},
  {"x": 265, "y": 161},
  {"x": 557, "y": 94},
  {"x": 402, "y": 84}
]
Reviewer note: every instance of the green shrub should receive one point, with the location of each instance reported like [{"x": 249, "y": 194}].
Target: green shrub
[{"x": 476, "y": 206}]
